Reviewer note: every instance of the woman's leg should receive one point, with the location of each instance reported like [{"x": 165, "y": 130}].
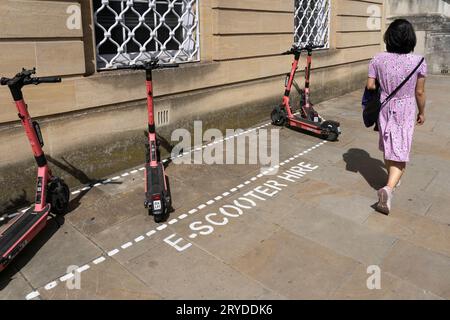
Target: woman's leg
[{"x": 395, "y": 171}]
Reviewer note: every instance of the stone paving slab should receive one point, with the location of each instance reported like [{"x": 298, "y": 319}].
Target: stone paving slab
[
  {"x": 415, "y": 229},
  {"x": 296, "y": 267},
  {"x": 13, "y": 285},
  {"x": 339, "y": 234},
  {"x": 106, "y": 281},
  {"x": 422, "y": 267},
  {"x": 392, "y": 288},
  {"x": 50, "y": 254},
  {"x": 196, "y": 274}
]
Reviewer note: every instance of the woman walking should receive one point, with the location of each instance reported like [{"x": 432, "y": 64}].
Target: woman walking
[{"x": 398, "y": 116}]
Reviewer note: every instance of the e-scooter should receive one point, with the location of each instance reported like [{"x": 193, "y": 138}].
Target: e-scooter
[
  {"x": 52, "y": 194},
  {"x": 158, "y": 199},
  {"x": 308, "y": 119}
]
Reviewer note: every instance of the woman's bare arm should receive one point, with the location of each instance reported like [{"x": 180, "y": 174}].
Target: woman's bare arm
[
  {"x": 371, "y": 85},
  {"x": 421, "y": 100}
]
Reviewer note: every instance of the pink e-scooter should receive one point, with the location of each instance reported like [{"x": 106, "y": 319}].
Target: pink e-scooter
[
  {"x": 158, "y": 199},
  {"x": 52, "y": 194}
]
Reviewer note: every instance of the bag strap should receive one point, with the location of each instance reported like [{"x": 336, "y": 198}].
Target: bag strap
[{"x": 403, "y": 83}]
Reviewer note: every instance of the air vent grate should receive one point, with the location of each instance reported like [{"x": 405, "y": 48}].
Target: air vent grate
[{"x": 162, "y": 117}]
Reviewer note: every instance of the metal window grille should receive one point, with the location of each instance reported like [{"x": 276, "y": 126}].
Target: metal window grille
[
  {"x": 312, "y": 22},
  {"x": 130, "y": 31}
]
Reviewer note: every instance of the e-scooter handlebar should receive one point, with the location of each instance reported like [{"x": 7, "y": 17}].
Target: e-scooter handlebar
[
  {"x": 46, "y": 80},
  {"x": 152, "y": 64},
  {"x": 297, "y": 49},
  {"x": 25, "y": 78}
]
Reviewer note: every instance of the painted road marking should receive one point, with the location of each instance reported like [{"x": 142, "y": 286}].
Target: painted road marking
[
  {"x": 193, "y": 211},
  {"x": 32, "y": 295},
  {"x": 150, "y": 233},
  {"x": 66, "y": 277},
  {"x": 51, "y": 285},
  {"x": 139, "y": 239},
  {"x": 83, "y": 268},
  {"x": 113, "y": 252},
  {"x": 162, "y": 227},
  {"x": 99, "y": 260},
  {"x": 126, "y": 245},
  {"x": 173, "y": 221}
]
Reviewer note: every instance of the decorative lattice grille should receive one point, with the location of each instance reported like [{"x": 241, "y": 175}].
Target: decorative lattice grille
[
  {"x": 130, "y": 31},
  {"x": 312, "y": 22}
]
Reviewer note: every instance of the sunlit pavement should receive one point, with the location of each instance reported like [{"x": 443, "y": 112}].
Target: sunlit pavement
[{"x": 305, "y": 230}]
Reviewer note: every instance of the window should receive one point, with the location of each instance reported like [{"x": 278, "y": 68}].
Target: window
[
  {"x": 312, "y": 22},
  {"x": 129, "y": 31}
]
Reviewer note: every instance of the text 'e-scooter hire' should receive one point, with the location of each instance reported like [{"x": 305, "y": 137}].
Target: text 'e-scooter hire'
[
  {"x": 52, "y": 194},
  {"x": 308, "y": 119}
]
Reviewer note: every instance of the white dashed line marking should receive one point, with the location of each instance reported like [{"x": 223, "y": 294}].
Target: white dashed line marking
[
  {"x": 99, "y": 260},
  {"x": 113, "y": 252},
  {"x": 83, "y": 268},
  {"x": 126, "y": 245},
  {"x": 161, "y": 227},
  {"x": 150, "y": 233},
  {"x": 139, "y": 239},
  {"x": 51, "y": 285},
  {"x": 66, "y": 277},
  {"x": 32, "y": 295}
]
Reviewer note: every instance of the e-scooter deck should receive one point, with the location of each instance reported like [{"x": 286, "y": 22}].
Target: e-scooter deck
[{"x": 20, "y": 232}]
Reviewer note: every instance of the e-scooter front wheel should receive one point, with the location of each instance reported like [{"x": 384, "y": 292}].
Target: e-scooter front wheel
[
  {"x": 278, "y": 116},
  {"x": 58, "y": 195}
]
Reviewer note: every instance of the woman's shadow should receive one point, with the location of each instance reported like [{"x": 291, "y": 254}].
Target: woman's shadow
[{"x": 373, "y": 170}]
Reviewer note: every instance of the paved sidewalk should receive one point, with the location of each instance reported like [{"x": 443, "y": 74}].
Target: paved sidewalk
[{"x": 240, "y": 234}]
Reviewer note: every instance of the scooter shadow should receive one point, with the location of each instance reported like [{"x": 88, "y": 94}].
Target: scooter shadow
[
  {"x": 24, "y": 257},
  {"x": 81, "y": 176},
  {"x": 309, "y": 133}
]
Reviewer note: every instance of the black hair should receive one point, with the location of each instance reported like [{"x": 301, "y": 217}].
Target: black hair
[{"x": 400, "y": 37}]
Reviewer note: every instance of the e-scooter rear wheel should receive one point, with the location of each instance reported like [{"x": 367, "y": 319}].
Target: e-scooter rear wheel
[
  {"x": 158, "y": 218},
  {"x": 278, "y": 116},
  {"x": 58, "y": 195},
  {"x": 331, "y": 129}
]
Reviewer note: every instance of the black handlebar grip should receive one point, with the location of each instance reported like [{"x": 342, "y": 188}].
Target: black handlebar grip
[
  {"x": 4, "y": 81},
  {"x": 167, "y": 66},
  {"x": 48, "y": 80}
]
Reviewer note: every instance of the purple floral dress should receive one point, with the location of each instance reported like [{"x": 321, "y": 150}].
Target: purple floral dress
[{"x": 398, "y": 117}]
